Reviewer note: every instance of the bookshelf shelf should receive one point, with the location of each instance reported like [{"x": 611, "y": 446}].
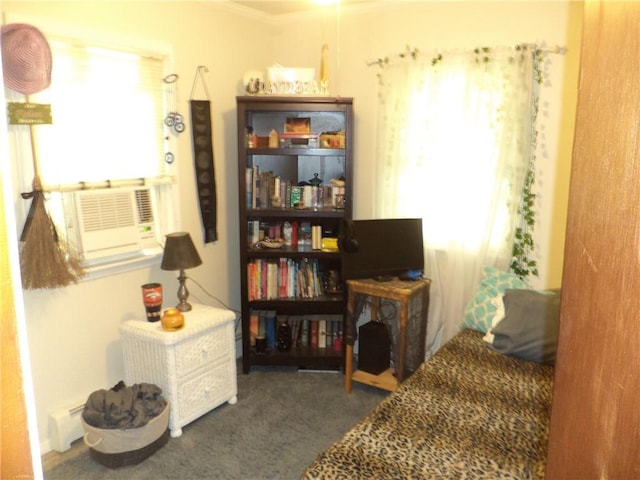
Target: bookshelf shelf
[
  {"x": 321, "y": 357},
  {"x": 278, "y": 193},
  {"x": 295, "y": 213},
  {"x": 321, "y": 152}
]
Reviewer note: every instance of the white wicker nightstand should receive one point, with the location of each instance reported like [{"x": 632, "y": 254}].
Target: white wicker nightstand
[{"x": 195, "y": 366}]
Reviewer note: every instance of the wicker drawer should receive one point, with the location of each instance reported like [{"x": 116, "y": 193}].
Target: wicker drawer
[
  {"x": 210, "y": 346},
  {"x": 204, "y": 392}
]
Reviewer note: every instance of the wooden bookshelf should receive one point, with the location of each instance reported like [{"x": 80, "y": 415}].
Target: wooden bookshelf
[{"x": 292, "y": 165}]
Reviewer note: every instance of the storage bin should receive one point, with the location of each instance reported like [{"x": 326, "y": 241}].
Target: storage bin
[{"x": 114, "y": 447}]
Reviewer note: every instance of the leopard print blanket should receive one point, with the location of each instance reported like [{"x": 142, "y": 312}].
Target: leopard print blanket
[{"x": 466, "y": 413}]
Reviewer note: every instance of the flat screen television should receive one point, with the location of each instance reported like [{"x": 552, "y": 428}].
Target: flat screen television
[{"x": 381, "y": 247}]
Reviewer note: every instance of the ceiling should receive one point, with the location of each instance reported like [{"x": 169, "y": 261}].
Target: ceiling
[{"x": 277, "y": 7}]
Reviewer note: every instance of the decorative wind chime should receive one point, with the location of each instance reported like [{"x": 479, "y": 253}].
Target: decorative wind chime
[{"x": 46, "y": 261}]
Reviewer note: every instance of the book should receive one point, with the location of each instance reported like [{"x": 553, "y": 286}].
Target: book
[
  {"x": 262, "y": 323},
  {"x": 304, "y": 333},
  {"x": 283, "y": 278},
  {"x": 272, "y": 280},
  {"x": 254, "y": 316},
  {"x": 255, "y": 194},
  {"x": 313, "y": 333},
  {"x": 249, "y": 187},
  {"x": 322, "y": 333},
  {"x": 287, "y": 195},
  {"x": 270, "y": 317},
  {"x": 330, "y": 333},
  {"x": 253, "y": 231},
  {"x": 294, "y": 321}
]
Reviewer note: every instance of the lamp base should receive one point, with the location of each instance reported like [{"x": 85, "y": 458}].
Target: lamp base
[
  {"x": 184, "y": 306},
  {"x": 183, "y": 294}
]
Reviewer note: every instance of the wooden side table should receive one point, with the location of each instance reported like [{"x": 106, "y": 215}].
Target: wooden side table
[
  {"x": 194, "y": 366},
  {"x": 407, "y": 293}
]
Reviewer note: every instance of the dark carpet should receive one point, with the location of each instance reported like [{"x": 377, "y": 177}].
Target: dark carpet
[{"x": 282, "y": 420}]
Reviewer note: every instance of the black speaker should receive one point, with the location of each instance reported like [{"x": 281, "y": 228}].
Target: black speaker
[
  {"x": 374, "y": 348},
  {"x": 347, "y": 242}
]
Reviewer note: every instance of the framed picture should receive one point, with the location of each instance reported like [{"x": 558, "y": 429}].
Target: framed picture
[{"x": 297, "y": 125}]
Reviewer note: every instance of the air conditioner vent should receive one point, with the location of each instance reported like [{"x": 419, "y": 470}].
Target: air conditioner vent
[
  {"x": 106, "y": 210},
  {"x": 143, "y": 202}
]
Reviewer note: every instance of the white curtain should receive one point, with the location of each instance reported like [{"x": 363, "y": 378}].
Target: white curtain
[{"x": 455, "y": 142}]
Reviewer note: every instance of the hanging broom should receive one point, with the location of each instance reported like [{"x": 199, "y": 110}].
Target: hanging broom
[{"x": 45, "y": 260}]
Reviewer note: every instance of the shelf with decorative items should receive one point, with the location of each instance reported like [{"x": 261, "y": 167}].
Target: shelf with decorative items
[{"x": 295, "y": 173}]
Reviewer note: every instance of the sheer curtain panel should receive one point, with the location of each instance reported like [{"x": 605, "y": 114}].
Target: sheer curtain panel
[{"x": 455, "y": 142}]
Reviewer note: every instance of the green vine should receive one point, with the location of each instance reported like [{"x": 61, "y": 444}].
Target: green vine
[
  {"x": 523, "y": 245},
  {"x": 522, "y": 262}
]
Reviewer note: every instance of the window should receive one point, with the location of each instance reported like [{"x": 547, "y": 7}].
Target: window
[
  {"x": 455, "y": 141},
  {"x": 107, "y": 116},
  {"x": 106, "y": 144}
]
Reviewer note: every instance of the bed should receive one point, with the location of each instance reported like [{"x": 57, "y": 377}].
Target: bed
[{"x": 473, "y": 410}]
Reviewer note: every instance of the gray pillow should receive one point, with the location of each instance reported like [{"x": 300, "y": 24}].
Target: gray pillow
[{"x": 529, "y": 329}]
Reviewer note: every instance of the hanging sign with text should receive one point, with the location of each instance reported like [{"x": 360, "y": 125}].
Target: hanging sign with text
[{"x": 29, "y": 113}]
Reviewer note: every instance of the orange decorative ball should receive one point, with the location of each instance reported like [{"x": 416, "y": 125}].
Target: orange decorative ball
[{"x": 172, "y": 320}]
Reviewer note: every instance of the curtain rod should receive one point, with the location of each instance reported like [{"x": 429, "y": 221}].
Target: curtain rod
[
  {"x": 413, "y": 53},
  {"x": 130, "y": 182}
]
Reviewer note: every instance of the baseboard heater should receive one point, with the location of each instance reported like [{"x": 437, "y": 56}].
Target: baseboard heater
[{"x": 65, "y": 427}]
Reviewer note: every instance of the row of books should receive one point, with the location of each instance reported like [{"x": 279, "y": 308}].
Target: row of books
[
  {"x": 271, "y": 279},
  {"x": 267, "y": 190},
  {"x": 312, "y": 331}
]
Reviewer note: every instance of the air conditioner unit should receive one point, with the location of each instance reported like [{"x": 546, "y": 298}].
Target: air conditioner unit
[{"x": 113, "y": 221}]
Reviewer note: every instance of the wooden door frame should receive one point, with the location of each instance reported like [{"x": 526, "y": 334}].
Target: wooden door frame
[{"x": 19, "y": 447}]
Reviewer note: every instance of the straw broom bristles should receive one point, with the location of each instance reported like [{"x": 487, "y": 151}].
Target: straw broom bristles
[{"x": 45, "y": 260}]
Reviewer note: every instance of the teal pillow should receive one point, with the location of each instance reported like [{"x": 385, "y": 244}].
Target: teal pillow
[{"x": 480, "y": 311}]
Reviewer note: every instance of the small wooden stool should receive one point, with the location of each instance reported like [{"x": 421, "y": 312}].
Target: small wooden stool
[{"x": 403, "y": 292}]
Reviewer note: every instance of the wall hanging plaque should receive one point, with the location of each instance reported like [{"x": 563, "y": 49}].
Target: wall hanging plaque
[{"x": 203, "y": 157}]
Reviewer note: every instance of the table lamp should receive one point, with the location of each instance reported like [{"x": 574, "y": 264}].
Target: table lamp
[{"x": 179, "y": 254}]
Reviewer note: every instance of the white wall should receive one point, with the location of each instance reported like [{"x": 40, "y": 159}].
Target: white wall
[
  {"x": 73, "y": 332},
  {"x": 365, "y": 34}
]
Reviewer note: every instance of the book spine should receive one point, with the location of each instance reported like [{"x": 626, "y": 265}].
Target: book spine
[
  {"x": 254, "y": 317},
  {"x": 313, "y": 333},
  {"x": 271, "y": 329},
  {"x": 248, "y": 181},
  {"x": 264, "y": 278},
  {"x": 282, "y": 283},
  {"x": 295, "y": 330},
  {"x": 272, "y": 280},
  {"x": 256, "y": 187},
  {"x": 256, "y": 232},
  {"x": 322, "y": 333},
  {"x": 291, "y": 286},
  {"x": 276, "y": 187},
  {"x": 262, "y": 323},
  {"x": 304, "y": 333}
]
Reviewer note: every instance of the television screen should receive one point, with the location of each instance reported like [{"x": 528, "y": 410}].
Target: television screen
[{"x": 381, "y": 247}]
